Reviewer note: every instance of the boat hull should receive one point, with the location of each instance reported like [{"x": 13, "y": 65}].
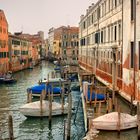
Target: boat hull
[
  {"x": 110, "y": 121},
  {"x": 33, "y": 109}
]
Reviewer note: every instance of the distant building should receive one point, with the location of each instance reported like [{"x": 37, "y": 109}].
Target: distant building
[
  {"x": 20, "y": 53},
  {"x": 41, "y": 35},
  {"x": 4, "y": 55},
  {"x": 63, "y": 43},
  {"x": 51, "y": 43},
  {"x": 109, "y": 32},
  {"x": 37, "y": 46}
]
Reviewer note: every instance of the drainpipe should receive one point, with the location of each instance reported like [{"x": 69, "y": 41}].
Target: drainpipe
[
  {"x": 114, "y": 74},
  {"x": 87, "y": 42},
  {"x": 134, "y": 48}
]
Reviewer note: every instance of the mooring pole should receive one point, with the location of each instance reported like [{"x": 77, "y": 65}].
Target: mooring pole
[
  {"x": 138, "y": 119},
  {"x": 69, "y": 117},
  {"x": 41, "y": 104},
  {"x": 50, "y": 109},
  {"x": 119, "y": 121},
  {"x": 10, "y": 125},
  {"x": 27, "y": 96},
  {"x": 62, "y": 98},
  {"x": 30, "y": 96},
  {"x": 0, "y": 134},
  {"x": 131, "y": 106}
]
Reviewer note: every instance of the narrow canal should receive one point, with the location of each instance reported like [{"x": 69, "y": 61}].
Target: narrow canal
[{"x": 13, "y": 96}]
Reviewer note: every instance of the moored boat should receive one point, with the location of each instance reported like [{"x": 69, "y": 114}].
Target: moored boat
[
  {"x": 53, "y": 85},
  {"x": 110, "y": 121},
  {"x": 33, "y": 109},
  {"x": 7, "y": 78}
]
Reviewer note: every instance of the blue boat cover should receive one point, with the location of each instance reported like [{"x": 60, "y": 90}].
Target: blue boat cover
[
  {"x": 100, "y": 96},
  {"x": 38, "y": 89}
]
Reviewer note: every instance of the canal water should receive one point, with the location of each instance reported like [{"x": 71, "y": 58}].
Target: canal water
[{"x": 13, "y": 96}]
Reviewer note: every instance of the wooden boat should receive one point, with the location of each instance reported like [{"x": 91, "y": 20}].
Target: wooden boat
[
  {"x": 54, "y": 85},
  {"x": 110, "y": 121},
  {"x": 36, "y": 90},
  {"x": 33, "y": 109},
  {"x": 7, "y": 78}
]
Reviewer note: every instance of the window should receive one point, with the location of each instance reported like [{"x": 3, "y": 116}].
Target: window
[
  {"x": 77, "y": 43},
  {"x": 92, "y": 19},
  {"x": 132, "y": 9},
  {"x": 109, "y": 5},
  {"x": 73, "y": 52},
  {"x": 84, "y": 24},
  {"x": 108, "y": 33},
  {"x": 72, "y": 43},
  {"x": 115, "y": 33},
  {"x": 111, "y": 33},
  {"x": 115, "y": 3},
  {"x": 97, "y": 37},
  {"x": 64, "y": 51},
  {"x": 102, "y": 36},
  {"x": 132, "y": 55},
  {"x": 98, "y": 13},
  {"x": 119, "y": 33}
]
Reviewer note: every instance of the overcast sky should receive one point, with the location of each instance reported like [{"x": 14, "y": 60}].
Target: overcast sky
[{"x": 30, "y": 16}]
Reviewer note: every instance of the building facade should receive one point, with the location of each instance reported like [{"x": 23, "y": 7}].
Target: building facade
[
  {"x": 70, "y": 45},
  {"x": 110, "y": 44},
  {"x": 4, "y": 55},
  {"x": 63, "y": 43},
  {"x": 20, "y": 53}
]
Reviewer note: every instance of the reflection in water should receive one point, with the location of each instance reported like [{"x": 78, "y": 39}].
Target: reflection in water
[{"x": 13, "y": 96}]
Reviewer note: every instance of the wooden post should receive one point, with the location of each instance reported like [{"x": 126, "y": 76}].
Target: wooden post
[
  {"x": 110, "y": 105},
  {"x": 62, "y": 99},
  {"x": 95, "y": 102},
  {"x": 99, "y": 109},
  {"x": 64, "y": 136},
  {"x": 50, "y": 108},
  {"x": 10, "y": 125},
  {"x": 52, "y": 92},
  {"x": 0, "y": 134},
  {"x": 107, "y": 103},
  {"x": 131, "y": 106},
  {"x": 30, "y": 96},
  {"x": 41, "y": 105},
  {"x": 69, "y": 117},
  {"x": 138, "y": 119},
  {"x": 48, "y": 78},
  {"x": 116, "y": 104},
  {"x": 119, "y": 121},
  {"x": 43, "y": 93},
  {"x": 91, "y": 91}
]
